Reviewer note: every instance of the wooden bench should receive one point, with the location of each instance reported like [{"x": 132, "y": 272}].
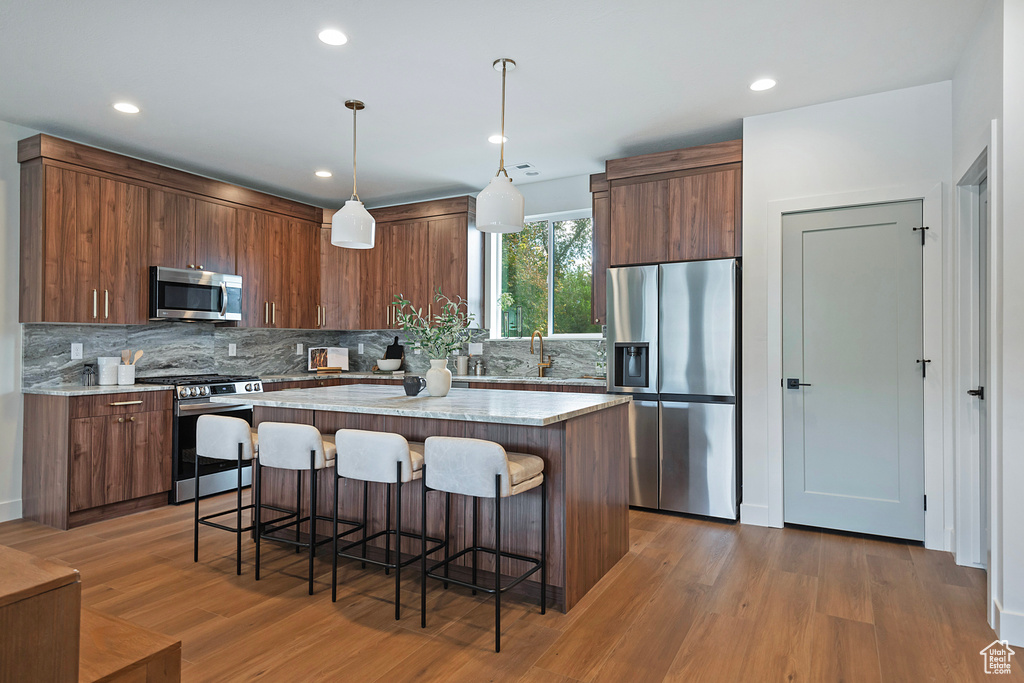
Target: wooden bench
[{"x": 116, "y": 651}]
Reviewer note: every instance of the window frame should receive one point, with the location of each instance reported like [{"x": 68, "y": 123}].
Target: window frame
[{"x": 494, "y": 278}]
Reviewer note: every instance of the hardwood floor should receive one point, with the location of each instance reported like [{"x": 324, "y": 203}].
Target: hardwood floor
[{"x": 692, "y": 601}]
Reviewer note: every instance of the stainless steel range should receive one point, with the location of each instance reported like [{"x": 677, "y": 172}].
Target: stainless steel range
[{"x": 191, "y": 399}]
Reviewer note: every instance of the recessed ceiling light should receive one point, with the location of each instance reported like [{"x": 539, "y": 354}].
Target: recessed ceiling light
[
  {"x": 126, "y": 108},
  {"x": 497, "y": 139},
  {"x": 763, "y": 84},
  {"x": 323, "y": 174},
  {"x": 332, "y": 36}
]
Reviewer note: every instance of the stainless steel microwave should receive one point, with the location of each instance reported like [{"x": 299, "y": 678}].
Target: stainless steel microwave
[{"x": 181, "y": 294}]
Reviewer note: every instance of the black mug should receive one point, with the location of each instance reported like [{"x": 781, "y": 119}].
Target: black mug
[{"x": 413, "y": 384}]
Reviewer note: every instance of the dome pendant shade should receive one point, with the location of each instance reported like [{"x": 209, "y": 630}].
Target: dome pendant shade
[
  {"x": 499, "y": 207},
  {"x": 353, "y": 227}
]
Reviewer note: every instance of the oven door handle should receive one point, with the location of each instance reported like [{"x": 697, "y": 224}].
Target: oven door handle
[
  {"x": 223, "y": 299},
  {"x": 209, "y": 408}
]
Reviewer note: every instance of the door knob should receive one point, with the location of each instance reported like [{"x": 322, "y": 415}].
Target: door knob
[{"x": 795, "y": 383}]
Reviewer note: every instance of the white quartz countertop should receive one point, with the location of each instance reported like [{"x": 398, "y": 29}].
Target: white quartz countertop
[
  {"x": 79, "y": 390},
  {"x": 534, "y": 408}
]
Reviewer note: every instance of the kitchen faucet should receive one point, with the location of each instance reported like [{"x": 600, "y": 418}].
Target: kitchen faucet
[{"x": 541, "y": 365}]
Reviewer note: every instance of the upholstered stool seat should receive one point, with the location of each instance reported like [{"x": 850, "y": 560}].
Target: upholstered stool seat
[
  {"x": 382, "y": 458},
  {"x": 300, "y": 448},
  {"x": 223, "y": 438},
  {"x": 481, "y": 469}
]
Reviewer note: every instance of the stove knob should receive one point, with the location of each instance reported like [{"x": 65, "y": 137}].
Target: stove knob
[
  {"x": 256, "y": 387},
  {"x": 193, "y": 392},
  {"x": 248, "y": 387},
  {"x": 183, "y": 392},
  {"x": 203, "y": 391}
]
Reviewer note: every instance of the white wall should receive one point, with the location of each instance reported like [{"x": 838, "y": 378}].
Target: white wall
[
  {"x": 1008, "y": 451},
  {"x": 978, "y": 89},
  {"x": 551, "y": 196},
  {"x": 10, "y": 329},
  {"x": 864, "y": 145}
]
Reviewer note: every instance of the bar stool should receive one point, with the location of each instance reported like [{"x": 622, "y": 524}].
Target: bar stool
[
  {"x": 224, "y": 438},
  {"x": 386, "y": 459},
  {"x": 301, "y": 448},
  {"x": 482, "y": 469}
]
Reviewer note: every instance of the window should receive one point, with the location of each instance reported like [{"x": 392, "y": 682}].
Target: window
[{"x": 543, "y": 278}]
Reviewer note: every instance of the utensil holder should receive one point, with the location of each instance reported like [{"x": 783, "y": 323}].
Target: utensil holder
[
  {"x": 108, "y": 370},
  {"x": 125, "y": 374}
]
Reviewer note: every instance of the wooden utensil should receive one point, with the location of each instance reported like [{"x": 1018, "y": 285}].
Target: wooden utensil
[
  {"x": 138, "y": 355},
  {"x": 124, "y": 356}
]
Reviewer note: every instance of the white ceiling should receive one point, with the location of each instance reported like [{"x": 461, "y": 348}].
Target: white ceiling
[{"x": 244, "y": 91}]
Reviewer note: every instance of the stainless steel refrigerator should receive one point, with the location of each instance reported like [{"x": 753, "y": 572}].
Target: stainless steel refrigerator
[{"x": 672, "y": 344}]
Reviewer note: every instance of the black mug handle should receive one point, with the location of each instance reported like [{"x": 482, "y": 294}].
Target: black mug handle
[{"x": 423, "y": 385}]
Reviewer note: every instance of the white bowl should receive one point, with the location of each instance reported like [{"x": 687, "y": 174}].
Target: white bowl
[{"x": 389, "y": 363}]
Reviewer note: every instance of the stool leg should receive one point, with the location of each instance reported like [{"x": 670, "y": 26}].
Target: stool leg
[
  {"x": 334, "y": 544},
  {"x": 497, "y": 563},
  {"x": 475, "y": 542},
  {"x": 543, "y": 546},
  {"x": 195, "y": 530},
  {"x": 366, "y": 504},
  {"x": 259, "y": 516},
  {"x": 387, "y": 528},
  {"x": 423, "y": 550},
  {"x": 298, "y": 508},
  {"x": 312, "y": 516},
  {"x": 447, "y": 530},
  {"x": 398, "y": 545},
  {"x": 238, "y": 517}
]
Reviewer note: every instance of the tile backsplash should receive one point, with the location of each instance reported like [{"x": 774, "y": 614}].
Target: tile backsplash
[{"x": 175, "y": 347}]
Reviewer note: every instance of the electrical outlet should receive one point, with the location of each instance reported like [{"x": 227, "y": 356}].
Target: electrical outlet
[
  {"x": 232, "y": 350},
  {"x": 416, "y": 352},
  {"x": 76, "y": 351},
  {"x": 457, "y": 352},
  {"x": 360, "y": 349},
  {"x": 298, "y": 349},
  {"x": 476, "y": 349}
]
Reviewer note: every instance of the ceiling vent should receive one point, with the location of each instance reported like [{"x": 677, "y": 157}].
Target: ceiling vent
[{"x": 524, "y": 169}]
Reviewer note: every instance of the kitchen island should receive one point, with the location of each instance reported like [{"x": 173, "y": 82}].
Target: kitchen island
[{"x": 583, "y": 439}]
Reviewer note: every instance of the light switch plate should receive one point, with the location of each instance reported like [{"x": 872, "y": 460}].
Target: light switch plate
[
  {"x": 76, "y": 351},
  {"x": 298, "y": 349},
  {"x": 360, "y": 349},
  {"x": 457, "y": 352},
  {"x": 476, "y": 349},
  {"x": 232, "y": 350},
  {"x": 416, "y": 352}
]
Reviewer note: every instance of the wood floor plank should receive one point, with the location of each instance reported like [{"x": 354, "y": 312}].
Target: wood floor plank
[
  {"x": 739, "y": 589},
  {"x": 844, "y": 586},
  {"x": 713, "y": 650},
  {"x": 844, "y": 651},
  {"x": 798, "y": 551},
  {"x": 782, "y": 650},
  {"x": 940, "y": 569},
  {"x": 539, "y": 675}
]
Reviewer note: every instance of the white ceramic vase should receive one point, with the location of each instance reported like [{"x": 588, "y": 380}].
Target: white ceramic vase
[{"x": 439, "y": 377}]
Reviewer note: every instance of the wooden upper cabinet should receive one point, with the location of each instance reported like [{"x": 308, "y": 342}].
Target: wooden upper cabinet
[
  {"x": 673, "y": 206},
  {"x": 448, "y": 240},
  {"x": 300, "y": 274},
  {"x": 376, "y": 285},
  {"x": 94, "y": 256},
  {"x": 339, "y": 284},
  {"x": 600, "y": 255},
  {"x": 215, "y": 237},
  {"x": 252, "y": 266},
  {"x": 172, "y": 230}
]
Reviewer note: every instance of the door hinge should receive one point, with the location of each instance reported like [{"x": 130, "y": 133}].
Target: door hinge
[
  {"x": 926, "y": 503},
  {"x": 924, "y": 367},
  {"x": 922, "y": 229}
]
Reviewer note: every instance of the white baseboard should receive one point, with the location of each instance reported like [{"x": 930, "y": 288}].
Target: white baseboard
[
  {"x": 754, "y": 514},
  {"x": 1009, "y": 626},
  {"x": 10, "y": 510},
  {"x": 950, "y": 540}
]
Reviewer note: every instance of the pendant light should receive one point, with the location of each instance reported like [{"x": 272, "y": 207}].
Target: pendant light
[
  {"x": 352, "y": 226},
  {"x": 499, "y": 207}
]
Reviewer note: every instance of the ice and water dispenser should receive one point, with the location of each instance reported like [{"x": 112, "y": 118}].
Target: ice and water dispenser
[{"x": 632, "y": 364}]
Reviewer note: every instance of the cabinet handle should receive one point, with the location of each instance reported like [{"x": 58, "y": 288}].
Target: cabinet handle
[
  {"x": 106, "y": 304},
  {"x": 387, "y": 315},
  {"x": 273, "y": 312},
  {"x": 126, "y": 403},
  {"x": 318, "y": 323},
  {"x": 202, "y": 267},
  {"x": 120, "y": 419},
  {"x": 266, "y": 312},
  {"x": 94, "y": 305},
  {"x": 131, "y": 419}
]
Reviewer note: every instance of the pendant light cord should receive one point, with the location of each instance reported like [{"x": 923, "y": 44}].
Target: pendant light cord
[
  {"x": 355, "y": 195},
  {"x": 501, "y": 161}
]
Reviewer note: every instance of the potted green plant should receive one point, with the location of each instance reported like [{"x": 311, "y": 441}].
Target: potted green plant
[
  {"x": 436, "y": 334},
  {"x": 505, "y": 303}
]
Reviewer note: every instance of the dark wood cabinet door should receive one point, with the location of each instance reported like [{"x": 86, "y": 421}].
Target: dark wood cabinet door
[
  {"x": 600, "y": 255},
  {"x": 71, "y": 246},
  {"x": 124, "y": 257},
  {"x": 300, "y": 276},
  {"x": 147, "y": 457},
  {"x": 375, "y": 290},
  {"x": 704, "y": 216},
  {"x": 215, "y": 237},
  {"x": 448, "y": 249},
  {"x": 251, "y": 234},
  {"x": 97, "y": 469},
  {"x": 408, "y": 251},
  {"x": 639, "y": 222},
  {"x": 172, "y": 231},
  {"x": 339, "y": 284},
  {"x": 275, "y": 257}
]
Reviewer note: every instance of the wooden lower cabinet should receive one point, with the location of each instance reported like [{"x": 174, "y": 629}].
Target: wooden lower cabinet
[
  {"x": 567, "y": 388},
  {"x": 92, "y": 457}
]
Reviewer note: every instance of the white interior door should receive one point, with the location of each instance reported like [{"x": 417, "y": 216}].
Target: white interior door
[{"x": 852, "y": 339}]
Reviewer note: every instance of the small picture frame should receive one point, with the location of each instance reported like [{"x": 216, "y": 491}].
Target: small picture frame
[{"x": 321, "y": 358}]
